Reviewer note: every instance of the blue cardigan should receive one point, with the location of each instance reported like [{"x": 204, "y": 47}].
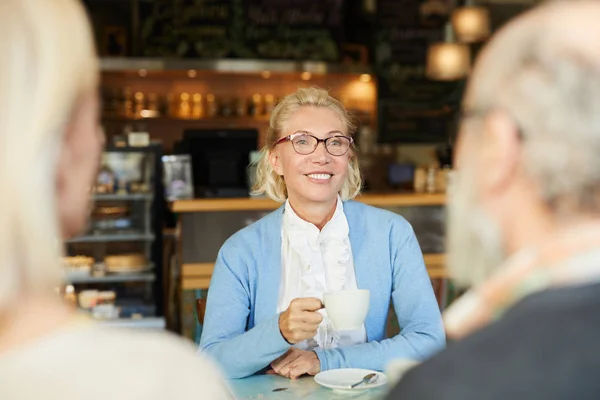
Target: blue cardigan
[{"x": 241, "y": 331}]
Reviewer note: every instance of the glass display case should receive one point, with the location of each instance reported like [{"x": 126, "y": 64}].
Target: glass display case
[{"x": 113, "y": 270}]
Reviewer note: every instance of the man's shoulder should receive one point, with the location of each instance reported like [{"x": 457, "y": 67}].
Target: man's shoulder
[{"x": 545, "y": 347}]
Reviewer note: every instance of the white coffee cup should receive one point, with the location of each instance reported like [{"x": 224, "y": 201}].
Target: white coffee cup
[{"x": 347, "y": 309}]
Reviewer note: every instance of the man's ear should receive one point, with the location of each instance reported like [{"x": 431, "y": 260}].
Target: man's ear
[{"x": 500, "y": 151}]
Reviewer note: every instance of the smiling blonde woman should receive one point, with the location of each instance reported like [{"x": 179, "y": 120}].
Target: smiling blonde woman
[
  {"x": 50, "y": 146},
  {"x": 264, "y": 309}
]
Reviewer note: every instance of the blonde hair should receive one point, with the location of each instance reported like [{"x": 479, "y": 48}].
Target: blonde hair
[
  {"x": 267, "y": 181},
  {"x": 49, "y": 62}
]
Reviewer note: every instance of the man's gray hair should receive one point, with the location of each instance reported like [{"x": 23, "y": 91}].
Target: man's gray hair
[{"x": 552, "y": 90}]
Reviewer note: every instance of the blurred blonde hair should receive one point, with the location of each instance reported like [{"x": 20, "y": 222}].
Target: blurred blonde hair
[
  {"x": 48, "y": 62},
  {"x": 267, "y": 181}
]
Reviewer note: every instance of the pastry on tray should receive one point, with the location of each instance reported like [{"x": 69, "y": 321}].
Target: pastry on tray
[
  {"x": 78, "y": 262},
  {"x": 126, "y": 263}
]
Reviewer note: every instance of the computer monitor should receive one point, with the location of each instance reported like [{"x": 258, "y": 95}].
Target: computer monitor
[{"x": 220, "y": 158}]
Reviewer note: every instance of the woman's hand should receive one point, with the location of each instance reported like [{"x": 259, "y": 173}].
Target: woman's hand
[
  {"x": 301, "y": 320},
  {"x": 295, "y": 363}
]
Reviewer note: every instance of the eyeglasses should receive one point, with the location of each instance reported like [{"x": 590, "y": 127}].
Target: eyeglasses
[{"x": 305, "y": 144}]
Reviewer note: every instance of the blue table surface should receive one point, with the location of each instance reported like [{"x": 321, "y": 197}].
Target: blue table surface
[{"x": 262, "y": 386}]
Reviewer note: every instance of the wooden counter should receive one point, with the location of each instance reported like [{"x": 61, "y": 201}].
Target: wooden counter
[
  {"x": 264, "y": 204},
  {"x": 197, "y": 275},
  {"x": 203, "y": 225}
]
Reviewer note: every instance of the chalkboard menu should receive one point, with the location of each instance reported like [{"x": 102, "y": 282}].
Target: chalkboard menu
[
  {"x": 190, "y": 28},
  {"x": 294, "y": 29},
  {"x": 411, "y": 108},
  {"x": 272, "y": 29}
]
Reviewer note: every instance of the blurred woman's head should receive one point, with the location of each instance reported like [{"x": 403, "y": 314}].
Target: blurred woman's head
[
  {"x": 296, "y": 163},
  {"x": 50, "y": 142}
]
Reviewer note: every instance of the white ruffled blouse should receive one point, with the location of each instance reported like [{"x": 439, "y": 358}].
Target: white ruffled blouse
[{"x": 315, "y": 262}]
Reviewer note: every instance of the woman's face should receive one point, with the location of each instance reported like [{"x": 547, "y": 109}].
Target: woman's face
[
  {"x": 78, "y": 165},
  {"x": 319, "y": 176}
]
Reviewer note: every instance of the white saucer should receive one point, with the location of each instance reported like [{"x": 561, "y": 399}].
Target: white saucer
[{"x": 341, "y": 379}]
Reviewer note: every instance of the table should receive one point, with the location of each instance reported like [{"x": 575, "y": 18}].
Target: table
[{"x": 262, "y": 386}]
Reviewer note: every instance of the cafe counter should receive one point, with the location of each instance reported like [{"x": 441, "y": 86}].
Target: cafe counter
[{"x": 205, "y": 224}]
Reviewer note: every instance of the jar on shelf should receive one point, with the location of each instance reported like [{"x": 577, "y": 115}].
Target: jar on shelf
[
  {"x": 227, "y": 107},
  {"x": 105, "y": 181},
  {"x": 70, "y": 297},
  {"x": 420, "y": 180},
  {"x": 152, "y": 109},
  {"x": 241, "y": 108},
  {"x": 442, "y": 179},
  {"x": 269, "y": 104},
  {"x": 184, "y": 109},
  {"x": 197, "y": 107},
  {"x": 212, "y": 108},
  {"x": 110, "y": 101},
  {"x": 430, "y": 185},
  {"x": 126, "y": 109},
  {"x": 256, "y": 105},
  {"x": 98, "y": 269},
  {"x": 172, "y": 106},
  {"x": 139, "y": 105}
]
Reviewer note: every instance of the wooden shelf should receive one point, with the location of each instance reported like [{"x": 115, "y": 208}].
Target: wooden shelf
[
  {"x": 197, "y": 275},
  {"x": 265, "y": 204},
  {"x": 117, "y": 237},
  {"x": 245, "y": 66},
  {"x": 122, "y": 197},
  {"x": 235, "y": 204},
  {"x": 232, "y": 120},
  {"x": 145, "y": 323},
  {"x": 195, "y": 283},
  {"x": 436, "y": 265},
  {"x": 135, "y": 276},
  {"x": 403, "y": 199},
  {"x": 110, "y": 278}
]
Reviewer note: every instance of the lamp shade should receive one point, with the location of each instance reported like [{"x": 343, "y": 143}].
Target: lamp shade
[
  {"x": 471, "y": 24},
  {"x": 448, "y": 61}
]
